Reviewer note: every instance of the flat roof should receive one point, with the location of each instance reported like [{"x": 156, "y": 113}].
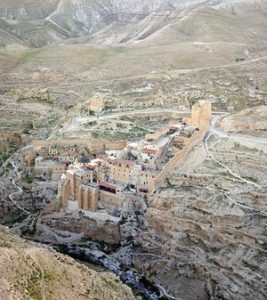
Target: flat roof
[{"x": 125, "y": 162}]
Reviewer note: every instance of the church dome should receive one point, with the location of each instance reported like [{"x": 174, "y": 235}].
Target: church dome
[{"x": 84, "y": 159}]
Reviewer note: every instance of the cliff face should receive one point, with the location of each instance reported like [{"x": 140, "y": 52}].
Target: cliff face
[
  {"x": 107, "y": 230},
  {"x": 205, "y": 232},
  {"x": 31, "y": 271}
]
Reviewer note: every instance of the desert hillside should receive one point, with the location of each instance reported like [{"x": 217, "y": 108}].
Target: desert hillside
[
  {"x": 32, "y": 271},
  {"x": 133, "y": 135},
  {"x": 251, "y": 120}
]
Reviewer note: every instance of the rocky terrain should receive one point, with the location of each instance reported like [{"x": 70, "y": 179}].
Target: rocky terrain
[
  {"x": 142, "y": 54},
  {"x": 32, "y": 271},
  {"x": 206, "y": 231},
  {"x": 215, "y": 51},
  {"x": 203, "y": 235},
  {"x": 58, "y": 20},
  {"x": 252, "y": 120}
]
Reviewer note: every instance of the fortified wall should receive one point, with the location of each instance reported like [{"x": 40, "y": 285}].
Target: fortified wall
[
  {"x": 200, "y": 118},
  {"x": 180, "y": 155},
  {"x": 92, "y": 145}
]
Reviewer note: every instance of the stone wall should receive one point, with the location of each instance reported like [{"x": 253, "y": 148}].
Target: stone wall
[
  {"x": 110, "y": 201},
  {"x": 156, "y": 135},
  {"x": 88, "y": 197},
  {"x": 92, "y": 145},
  {"x": 181, "y": 154}
]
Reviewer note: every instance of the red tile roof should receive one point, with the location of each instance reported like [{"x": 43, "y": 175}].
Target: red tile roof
[{"x": 107, "y": 185}]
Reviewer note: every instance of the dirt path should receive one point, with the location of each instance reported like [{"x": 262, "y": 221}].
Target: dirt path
[
  {"x": 218, "y": 132},
  {"x": 19, "y": 191},
  {"x": 18, "y": 175},
  {"x": 210, "y": 134},
  {"x": 35, "y": 258}
]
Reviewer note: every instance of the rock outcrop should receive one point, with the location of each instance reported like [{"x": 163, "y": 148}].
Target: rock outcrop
[
  {"x": 247, "y": 120},
  {"x": 41, "y": 95},
  {"x": 90, "y": 227}
]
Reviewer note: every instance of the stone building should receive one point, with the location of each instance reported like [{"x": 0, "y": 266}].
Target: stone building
[
  {"x": 109, "y": 182},
  {"x": 79, "y": 187},
  {"x": 201, "y": 114},
  {"x": 96, "y": 105},
  {"x": 121, "y": 169},
  {"x": 66, "y": 159},
  {"x": 48, "y": 167}
]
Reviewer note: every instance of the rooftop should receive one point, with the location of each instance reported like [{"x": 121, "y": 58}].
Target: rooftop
[
  {"x": 84, "y": 159},
  {"x": 125, "y": 162},
  {"x": 107, "y": 185}
]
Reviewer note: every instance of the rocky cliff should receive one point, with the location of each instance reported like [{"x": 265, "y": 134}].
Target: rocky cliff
[{"x": 205, "y": 235}]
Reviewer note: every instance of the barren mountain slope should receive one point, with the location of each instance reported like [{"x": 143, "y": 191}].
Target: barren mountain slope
[
  {"x": 241, "y": 22},
  {"x": 36, "y": 23}
]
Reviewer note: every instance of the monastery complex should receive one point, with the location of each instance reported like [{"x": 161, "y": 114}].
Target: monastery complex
[{"x": 114, "y": 176}]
